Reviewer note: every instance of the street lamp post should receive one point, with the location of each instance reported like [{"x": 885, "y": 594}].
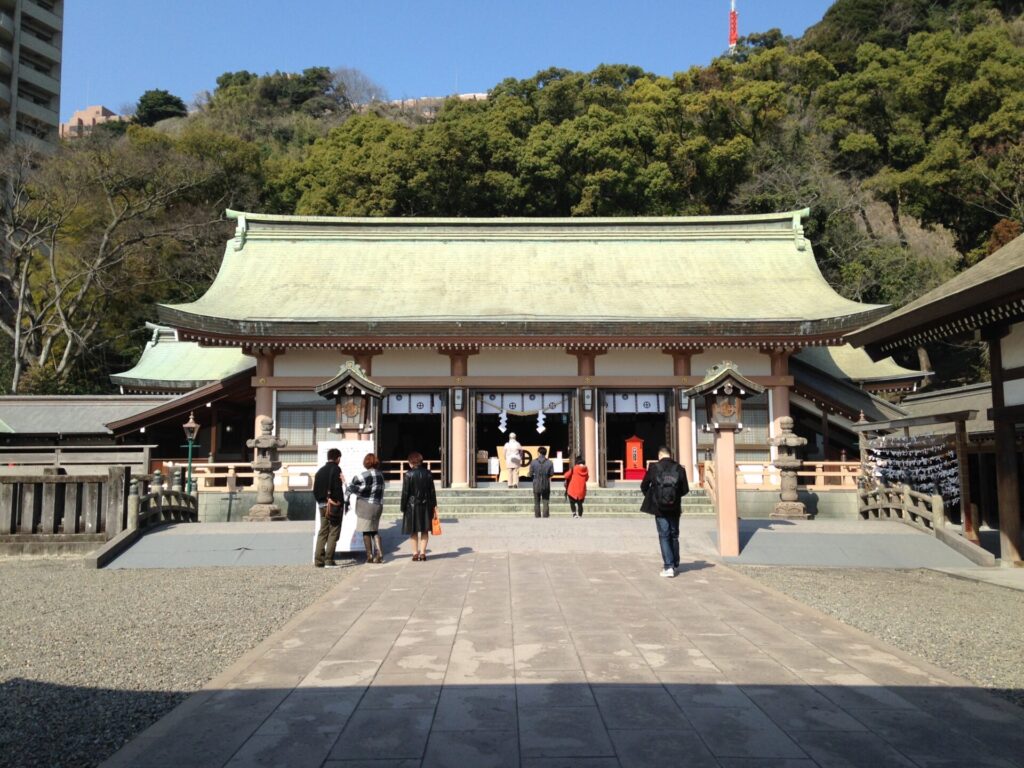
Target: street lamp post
[{"x": 191, "y": 428}]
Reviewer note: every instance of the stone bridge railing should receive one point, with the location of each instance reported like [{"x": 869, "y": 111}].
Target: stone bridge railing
[
  {"x": 158, "y": 503},
  {"x": 927, "y": 512},
  {"x": 51, "y": 513},
  {"x": 65, "y": 510},
  {"x": 921, "y": 510}
]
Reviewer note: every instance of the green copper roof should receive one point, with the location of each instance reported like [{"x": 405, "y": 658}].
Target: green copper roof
[
  {"x": 847, "y": 362},
  {"x": 308, "y": 276},
  {"x": 169, "y": 365}
]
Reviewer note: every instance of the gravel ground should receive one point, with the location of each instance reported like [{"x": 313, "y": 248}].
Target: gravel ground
[
  {"x": 972, "y": 629},
  {"x": 89, "y": 658}
]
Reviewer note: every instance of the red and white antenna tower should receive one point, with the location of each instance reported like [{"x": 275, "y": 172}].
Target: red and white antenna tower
[{"x": 734, "y": 26}]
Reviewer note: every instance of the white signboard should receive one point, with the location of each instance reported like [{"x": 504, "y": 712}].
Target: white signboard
[{"x": 352, "y": 454}]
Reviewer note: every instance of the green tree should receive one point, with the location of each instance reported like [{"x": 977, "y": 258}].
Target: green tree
[{"x": 156, "y": 105}]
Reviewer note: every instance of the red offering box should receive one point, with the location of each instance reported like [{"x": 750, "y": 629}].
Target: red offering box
[{"x": 634, "y": 474}]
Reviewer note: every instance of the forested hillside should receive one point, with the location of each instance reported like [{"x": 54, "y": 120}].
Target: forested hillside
[{"x": 898, "y": 122}]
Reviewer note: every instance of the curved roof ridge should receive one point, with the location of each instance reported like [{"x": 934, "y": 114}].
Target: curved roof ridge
[{"x": 541, "y": 221}]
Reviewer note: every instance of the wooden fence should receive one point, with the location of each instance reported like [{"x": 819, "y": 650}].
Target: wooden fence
[{"x": 73, "y": 459}]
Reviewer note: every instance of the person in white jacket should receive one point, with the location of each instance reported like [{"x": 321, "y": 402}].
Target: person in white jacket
[{"x": 513, "y": 459}]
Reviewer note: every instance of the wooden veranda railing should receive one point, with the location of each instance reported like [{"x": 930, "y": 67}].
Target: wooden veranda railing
[
  {"x": 226, "y": 477},
  {"x": 222, "y": 477},
  {"x": 812, "y": 475}
]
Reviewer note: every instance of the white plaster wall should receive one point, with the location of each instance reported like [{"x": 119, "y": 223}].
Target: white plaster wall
[
  {"x": 309, "y": 362},
  {"x": 633, "y": 362},
  {"x": 749, "y": 361},
  {"x": 1013, "y": 347},
  {"x": 522, "y": 362},
  {"x": 411, "y": 362},
  {"x": 1013, "y": 357}
]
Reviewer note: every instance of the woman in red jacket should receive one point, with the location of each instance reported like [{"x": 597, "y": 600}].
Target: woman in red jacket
[{"x": 576, "y": 486}]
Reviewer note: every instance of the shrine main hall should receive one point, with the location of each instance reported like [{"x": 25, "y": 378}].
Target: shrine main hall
[{"x": 575, "y": 334}]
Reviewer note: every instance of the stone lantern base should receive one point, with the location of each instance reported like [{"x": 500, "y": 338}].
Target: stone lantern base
[
  {"x": 790, "y": 510},
  {"x": 264, "y": 513}
]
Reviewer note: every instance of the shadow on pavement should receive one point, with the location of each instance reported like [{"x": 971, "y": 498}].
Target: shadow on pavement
[{"x": 686, "y": 719}]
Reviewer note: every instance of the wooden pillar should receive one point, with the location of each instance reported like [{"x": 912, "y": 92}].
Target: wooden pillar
[
  {"x": 725, "y": 493},
  {"x": 1007, "y": 476},
  {"x": 214, "y": 429},
  {"x": 586, "y": 364},
  {"x": 964, "y": 467},
  {"x": 459, "y": 424},
  {"x": 682, "y": 366},
  {"x": 264, "y": 392},
  {"x": 824, "y": 433},
  {"x": 779, "y": 394}
]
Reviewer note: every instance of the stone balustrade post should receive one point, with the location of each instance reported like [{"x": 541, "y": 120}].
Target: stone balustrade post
[
  {"x": 938, "y": 511},
  {"x": 133, "y": 504}
]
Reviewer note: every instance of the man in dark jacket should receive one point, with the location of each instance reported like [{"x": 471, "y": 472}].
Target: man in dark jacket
[
  {"x": 329, "y": 492},
  {"x": 663, "y": 487},
  {"x": 541, "y": 470}
]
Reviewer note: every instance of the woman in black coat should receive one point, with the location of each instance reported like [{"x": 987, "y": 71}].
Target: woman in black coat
[{"x": 419, "y": 504}]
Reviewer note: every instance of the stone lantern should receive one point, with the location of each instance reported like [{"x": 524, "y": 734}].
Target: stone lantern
[
  {"x": 266, "y": 445},
  {"x": 789, "y": 507},
  {"x": 724, "y": 389},
  {"x": 356, "y": 401}
]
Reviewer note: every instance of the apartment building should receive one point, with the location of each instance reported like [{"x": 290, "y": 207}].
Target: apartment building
[
  {"x": 85, "y": 120},
  {"x": 31, "y": 33}
]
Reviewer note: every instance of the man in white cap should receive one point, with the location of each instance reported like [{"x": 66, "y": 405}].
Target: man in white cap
[{"x": 513, "y": 459}]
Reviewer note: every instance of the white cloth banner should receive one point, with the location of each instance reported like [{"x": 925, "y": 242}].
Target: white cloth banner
[
  {"x": 548, "y": 402},
  {"x": 634, "y": 402},
  {"x": 422, "y": 402},
  {"x": 412, "y": 402},
  {"x": 352, "y": 454},
  {"x": 397, "y": 403}
]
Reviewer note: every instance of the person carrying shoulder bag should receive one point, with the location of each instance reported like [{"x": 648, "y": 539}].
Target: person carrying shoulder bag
[{"x": 329, "y": 492}]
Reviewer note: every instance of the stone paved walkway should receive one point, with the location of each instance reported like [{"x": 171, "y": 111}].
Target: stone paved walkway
[{"x": 586, "y": 659}]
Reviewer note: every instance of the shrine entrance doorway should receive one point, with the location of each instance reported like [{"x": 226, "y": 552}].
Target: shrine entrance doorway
[
  {"x": 623, "y": 415},
  {"x": 413, "y": 421},
  {"x": 536, "y": 418}
]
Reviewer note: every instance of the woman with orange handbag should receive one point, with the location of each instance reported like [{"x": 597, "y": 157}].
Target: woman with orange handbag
[{"x": 419, "y": 505}]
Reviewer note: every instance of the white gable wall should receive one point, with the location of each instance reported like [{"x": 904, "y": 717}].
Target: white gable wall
[
  {"x": 309, "y": 362},
  {"x": 522, "y": 362},
  {"x": 1013, "y": 357}
]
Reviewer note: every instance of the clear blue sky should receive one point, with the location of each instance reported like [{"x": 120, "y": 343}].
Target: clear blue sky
[{"x": 116, "y": 49}]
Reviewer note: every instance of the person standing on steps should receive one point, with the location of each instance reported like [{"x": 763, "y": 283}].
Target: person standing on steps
[
  {"x": 576, "y": 486},
  {"x": 367, "y": 489},
  {"x": 541, "y": 470},
  {"x": 418, "y": 505},
  {"x": 513, "y": 459},
  {"x": 329, "y": 493},
  {"x": 664, "y": 486}
]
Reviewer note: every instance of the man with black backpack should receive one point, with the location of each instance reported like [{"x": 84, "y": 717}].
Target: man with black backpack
[{"x": 664, "y": 486}]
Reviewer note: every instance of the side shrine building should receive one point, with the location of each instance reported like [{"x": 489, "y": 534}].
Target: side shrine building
[{"x": 575, "y": 334}]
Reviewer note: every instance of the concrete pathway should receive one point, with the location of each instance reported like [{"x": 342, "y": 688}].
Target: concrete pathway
[
  {"x": 836, "y": 543},
  {"x": 512, "y": 658}
]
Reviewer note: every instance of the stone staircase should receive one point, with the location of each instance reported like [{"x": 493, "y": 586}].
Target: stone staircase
[{"x": 506, "y": 502}]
